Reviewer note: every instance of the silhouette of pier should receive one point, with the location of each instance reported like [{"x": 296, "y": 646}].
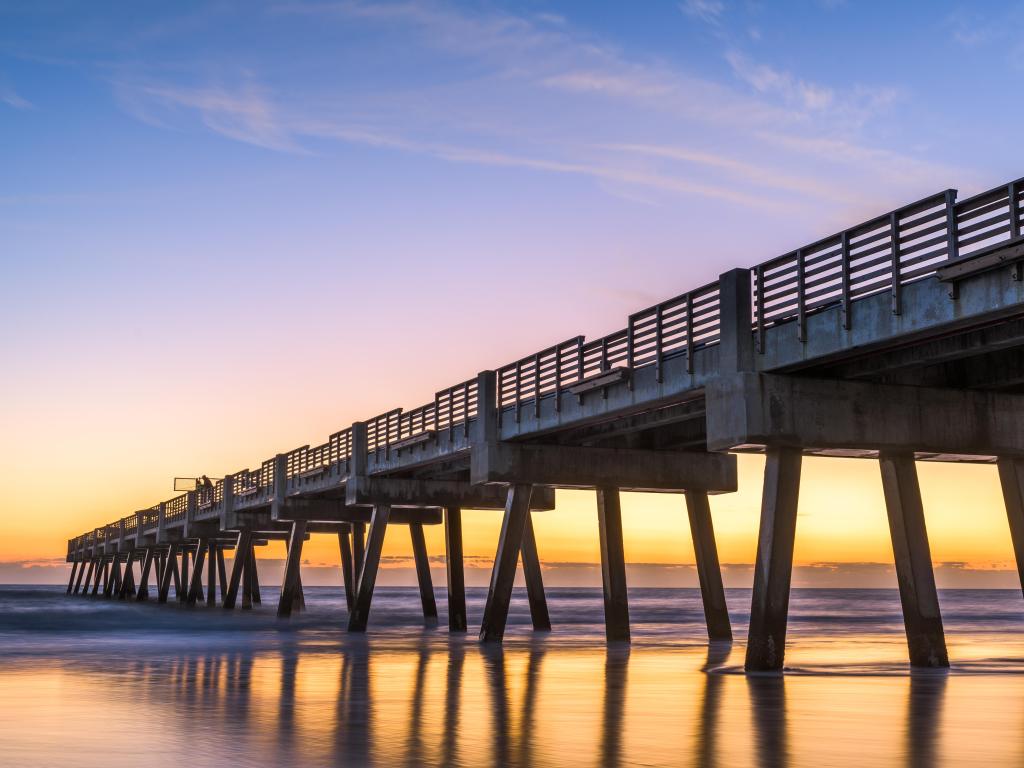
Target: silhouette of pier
[{"x": 898, "y": 340}]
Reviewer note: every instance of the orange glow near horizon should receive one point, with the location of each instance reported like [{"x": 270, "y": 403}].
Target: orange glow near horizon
[{"x": 841, "y": 519}]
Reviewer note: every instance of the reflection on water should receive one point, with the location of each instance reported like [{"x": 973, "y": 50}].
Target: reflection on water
[{"x": 318, "y": 697}]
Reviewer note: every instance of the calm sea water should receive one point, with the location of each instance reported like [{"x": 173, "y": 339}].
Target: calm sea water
[{"x": 87, "y": 682}]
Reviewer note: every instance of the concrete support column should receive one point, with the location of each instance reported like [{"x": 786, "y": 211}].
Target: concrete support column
[
  {"x": 534, "y": 579},
  {"x": 368, "y": 573},
  {"x": 348, "y": 577},
  {"x": 222, "y": 573},
  {"x": 290, "y": 581},
  {"x": 1011, "y": 478},
  {"x": 712, "y": 591},
  {"x": 921, "y": 616},
  {"x": 248, "y": 563},
  {"x": 256, "y": 597},
  {"x": 769, "y": 608},
  {"x": 499, "y": 594},
  {"x": 237, "y": 566},
  {"x": 613, "y": 565},
  {"x": 457, "y": 621},
  {"x": 426, "y": 583},
  {"x": 211, "y": 573},
  {"x": 184, "y": 592}
]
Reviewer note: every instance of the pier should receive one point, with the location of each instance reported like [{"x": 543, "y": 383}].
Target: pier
[{"x": 898, "y": 340}]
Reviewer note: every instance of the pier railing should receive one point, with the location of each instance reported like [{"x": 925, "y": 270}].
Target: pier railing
[{"x": 883, "y": 254}]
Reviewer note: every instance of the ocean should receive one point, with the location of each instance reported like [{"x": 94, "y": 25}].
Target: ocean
[{"x": 93, "y": 682}]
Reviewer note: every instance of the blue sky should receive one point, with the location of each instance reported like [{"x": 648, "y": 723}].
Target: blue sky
[{"x": 272, "y": 219}]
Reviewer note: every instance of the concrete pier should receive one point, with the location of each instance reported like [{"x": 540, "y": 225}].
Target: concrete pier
[{"x": 898, "y": 339}]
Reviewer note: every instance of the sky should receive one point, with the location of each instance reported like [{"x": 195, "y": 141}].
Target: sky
[{"x": 230, "y": 229}]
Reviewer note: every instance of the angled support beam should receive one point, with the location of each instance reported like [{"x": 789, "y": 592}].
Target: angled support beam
[
  {"x": 712, "y": 591},
  {"x": 921, "y": 616},
  {"x": 347, "y": 568},
  {"x": 147, "y": 566},
  {"x": 455, "y": 568},
  {"x": 534, "y": 579},
  {"x": 613, "y": 566},
  {"x": 170, "y": 571},
  {"x": 100, "y": 564},
  {"x": 195, "y": 589},
  {"x": 128, "y": 579},
  {"x": 74, "y": 573},
  {"x": 114, "y": 585},
  {"x": 426, "y": 584},
  {"x": 86, "y": 568},
  {"x": 1011, "y": 478},
  {"x": 769, "y": 608},
  {"x": 256, "y": 597},
  {"x": 368, "y": 574},
  {"x": 358, "y": 548},
  {"x": 499, "y": 594},
  {"x": 237, "y": 566},
  {"x": 290, "y": 583},
  {"x": 626, "y": 469}
]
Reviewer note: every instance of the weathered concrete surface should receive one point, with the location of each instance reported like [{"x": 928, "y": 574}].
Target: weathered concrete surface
[
  {"x": 573, "y": 467},
  {"x": 769, "y": 409}
]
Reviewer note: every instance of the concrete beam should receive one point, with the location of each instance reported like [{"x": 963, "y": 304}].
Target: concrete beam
[
  {"x": 574, "y": 467},
  {"x": 335, "y": 510},
  {"x": 499, "y": 594},
  {"x": 768, "y": 409},
  {"x": 430, "y": 493}
]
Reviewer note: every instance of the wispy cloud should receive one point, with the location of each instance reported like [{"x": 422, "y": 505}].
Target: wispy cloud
[
  {"x": 244, "y": 113},
  {"x": 546, "y": 97},
  {"x": 709, "y": 11},
  {"x": 13, "y": 99}
]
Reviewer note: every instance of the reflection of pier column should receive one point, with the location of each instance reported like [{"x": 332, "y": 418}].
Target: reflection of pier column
[
  {"x": 414, "y": 745},
  {"x": 286, "y": 705},
  {"x": 616, "y": 666},
  {"x": 924, "y": 715},
  {"x": 354, "y": 708},
  {"x": 526, "y": 729},
  {"x": 711, "y": 703},
  {"x": 494, "y": 662},
  {"x": 453, "y": 694},
  {"x": 768, "y": 704}
]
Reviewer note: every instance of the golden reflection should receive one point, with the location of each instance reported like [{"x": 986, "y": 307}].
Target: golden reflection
[
  {"x": 448, "y": 701},
  {"x": 768, "y": 708}
]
